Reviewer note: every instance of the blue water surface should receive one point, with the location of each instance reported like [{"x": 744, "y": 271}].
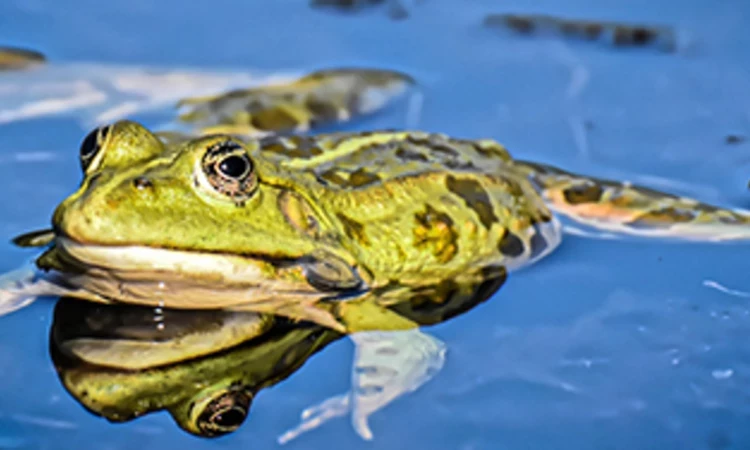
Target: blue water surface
[{"x": 606, "y": 344}]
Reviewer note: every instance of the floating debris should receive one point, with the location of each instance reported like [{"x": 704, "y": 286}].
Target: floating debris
[
  {"x": 396, "y": 9},
  {"x": 733, "y": 139},
  {"x": 12, "y": 58},
  {"x": 617, "y": 34}
]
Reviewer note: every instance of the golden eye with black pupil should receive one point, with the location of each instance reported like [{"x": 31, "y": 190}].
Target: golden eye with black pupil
[
  {"x": 91, "y": 145},
  {"x": 229, "y": 171},
  {"x": 224, "y": 414}
]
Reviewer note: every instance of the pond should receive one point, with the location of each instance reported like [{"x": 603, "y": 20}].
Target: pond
[{"x": 610, "y": 342}]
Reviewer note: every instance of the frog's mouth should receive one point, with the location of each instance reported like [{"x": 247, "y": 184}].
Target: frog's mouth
[{"x": 196, "y": 280}]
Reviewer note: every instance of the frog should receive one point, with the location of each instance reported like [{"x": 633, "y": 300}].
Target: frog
[
  {"x": 205, "y": 367},
  {"x": 240, "y": 207},
  {"x": 251, "y": 212}
]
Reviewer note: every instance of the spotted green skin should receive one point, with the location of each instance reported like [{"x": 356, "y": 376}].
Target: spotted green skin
[{"x": 391, "y": 207}]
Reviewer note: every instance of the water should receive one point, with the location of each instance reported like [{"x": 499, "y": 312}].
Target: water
[{"x": 603, "y": 345}]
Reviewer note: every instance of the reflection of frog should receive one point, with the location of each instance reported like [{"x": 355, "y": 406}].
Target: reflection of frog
[
  {"x": 280, "y": 223},
  {"x": 205, "y": 367},
  {"x": 102, "y": 363}
]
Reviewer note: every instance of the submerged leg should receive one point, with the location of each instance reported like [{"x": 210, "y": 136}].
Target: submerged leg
[
  {"x": 635, "y": 210},
  {"x": 387, "y": 365},
  {"x": 392, "y": 358}
]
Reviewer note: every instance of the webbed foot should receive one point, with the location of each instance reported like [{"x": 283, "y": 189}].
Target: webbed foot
[{"x": 387, "y": 365}]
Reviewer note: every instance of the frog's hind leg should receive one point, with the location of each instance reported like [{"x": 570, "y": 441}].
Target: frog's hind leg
[
  {"x": 625, "y": 208},
  {"x": 320, "y": 98}
]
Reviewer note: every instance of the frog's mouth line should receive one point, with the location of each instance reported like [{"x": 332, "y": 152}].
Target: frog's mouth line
[{"x": 224, "y": 268}]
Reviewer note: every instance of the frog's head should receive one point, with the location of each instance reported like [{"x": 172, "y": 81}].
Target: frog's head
[{"x": 200, "y": 210}]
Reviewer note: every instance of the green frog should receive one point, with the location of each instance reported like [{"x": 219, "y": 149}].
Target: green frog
[
  {"x": 236, "y": 209},
  {"x": 217, "y": 217}
]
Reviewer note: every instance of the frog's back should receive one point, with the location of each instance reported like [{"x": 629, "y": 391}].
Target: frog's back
[{"x": 419, "y": 205}]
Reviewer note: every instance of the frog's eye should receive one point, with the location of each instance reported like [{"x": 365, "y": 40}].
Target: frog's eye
[
  {"x": 91, "y": 145},
  {"x": 230, "y": 171},
  {"x": 224, "y": 413}
]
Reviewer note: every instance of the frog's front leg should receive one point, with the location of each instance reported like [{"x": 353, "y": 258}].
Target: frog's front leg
[
  {"x": 622, "y": 207},
  {"x": 22, "y": 286},
  {"x": 392, "y": 357}
]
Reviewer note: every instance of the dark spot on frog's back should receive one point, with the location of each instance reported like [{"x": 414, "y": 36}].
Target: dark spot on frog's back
[
  {"x": 353, "y": 229},
  {"x": 583, "y": 193},
  {"x": 292, "y": 147},
  {"x": 273, "y": 120},
  {"x": 332, "y": 177},
  {"x": 510, "y": 245},
  {"x": 361, "y": 178},
  {"x": 322, "y": 111},
  {"x": 475, "y": 197},
  {"x": 406, "y": 154}
]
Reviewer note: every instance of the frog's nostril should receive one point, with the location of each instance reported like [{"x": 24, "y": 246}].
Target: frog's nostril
[{"x": 142, "y": 183}]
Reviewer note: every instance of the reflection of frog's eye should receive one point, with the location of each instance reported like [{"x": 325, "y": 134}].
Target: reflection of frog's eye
[
  {"x": 229, "y": 171},
  {"x": 223, "y": 414},
  {"x": 91, "y": 145}
]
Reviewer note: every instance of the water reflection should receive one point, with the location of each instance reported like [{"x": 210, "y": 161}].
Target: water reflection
[{"x": 206, "y": 367}]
